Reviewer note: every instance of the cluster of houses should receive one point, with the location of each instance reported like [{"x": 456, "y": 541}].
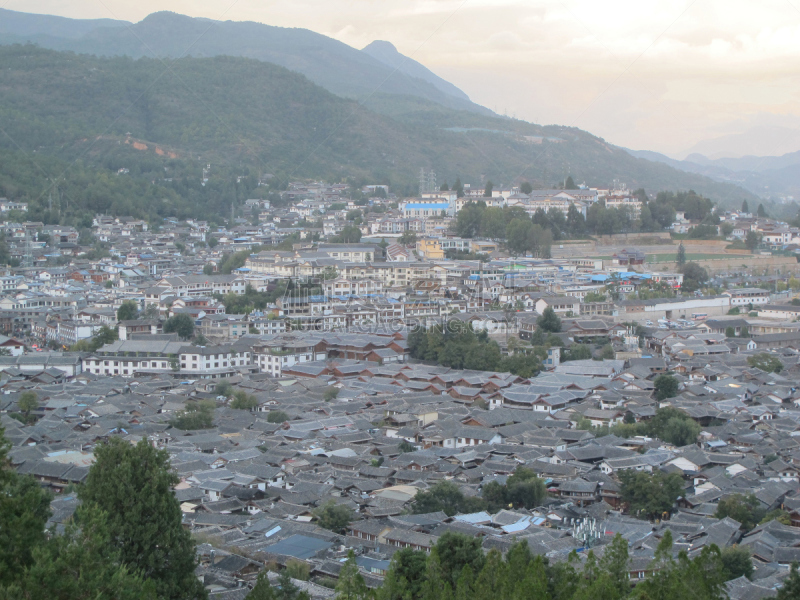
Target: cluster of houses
[
  {"x": 343, "y": 413},
  {"x": 348, "y": 418}
]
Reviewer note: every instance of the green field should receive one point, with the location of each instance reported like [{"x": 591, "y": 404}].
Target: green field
[{"x": 670, "y": 257}]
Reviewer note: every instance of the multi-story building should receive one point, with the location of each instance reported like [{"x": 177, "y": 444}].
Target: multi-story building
[
  {"x": 283, "y": 352},
  {"x": 746, "y": 296}
]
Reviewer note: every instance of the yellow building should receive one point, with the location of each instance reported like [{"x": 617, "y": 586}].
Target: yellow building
[{"x": 430, "y": 248}]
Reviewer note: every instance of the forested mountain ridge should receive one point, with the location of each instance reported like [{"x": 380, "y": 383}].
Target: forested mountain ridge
[
  {"x": 337, "y": 67},
  {"x": 249, "y": 118}
]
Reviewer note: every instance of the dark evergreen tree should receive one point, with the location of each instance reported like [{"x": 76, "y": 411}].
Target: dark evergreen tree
[{"x": 133, "y": 485}]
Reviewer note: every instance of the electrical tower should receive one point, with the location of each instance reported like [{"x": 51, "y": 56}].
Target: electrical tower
[
  {"x": 427, "y": 181},
  {"x": 27, "y": 260}
]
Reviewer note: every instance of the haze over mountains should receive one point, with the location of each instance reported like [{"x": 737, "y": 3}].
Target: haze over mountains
[{"x": 278, "y": 122}]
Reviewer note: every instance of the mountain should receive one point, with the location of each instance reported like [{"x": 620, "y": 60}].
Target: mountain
[
  {"x": 22, "y": 25},
  {"x": 133, "y": 137},
  {"x": 388, "y": 55},
  {"x": 759, "y": 141},
  {"x": 765, "y": 176},
  {"x": 337, "y": 67}
]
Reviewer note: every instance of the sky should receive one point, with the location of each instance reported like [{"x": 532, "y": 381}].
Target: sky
[{"x": 673, "y": 76}]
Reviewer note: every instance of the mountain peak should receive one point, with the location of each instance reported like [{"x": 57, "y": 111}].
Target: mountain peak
[
  {"x": 386, "y": 53},
  {"x": 380, "y": 46}
]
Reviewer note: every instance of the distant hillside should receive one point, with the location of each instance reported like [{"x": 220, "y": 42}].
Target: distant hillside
[
  {"x": 765, "y": 176},
  {"x": 248, "y": 118},
  {"x": 388, "y": 55},
  {"x": 337, "y": 67}
]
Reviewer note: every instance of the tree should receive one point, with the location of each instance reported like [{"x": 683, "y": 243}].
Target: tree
[
  {"x": 349, "y": 235},
  {"x": 614, "y": 563},
  {"x": 244, "y": 401},
  {"x": 208, "y": 269},
  {"x": 607, "y": 352},
  {"x": 181, "y": 324},
  {"x": 730, "y": 332},
  {"x": 549, "y": 321},
  {"x": 680, "y": 431},
  {"x": 24, "y": 510},
  {"x": 666, "y": 386},
  {"x": 196, "y": 415},
  {"x": 408, "y": 238},
  {"x": 577, "y": 352},
  {"x": 287, "y": 590},
  {"x": 525, "y": 187},
  {"x": 329, "y": 272},
  {"x": 82, "y": 562},
  {"x": 263, "y": 589},
  {"x": 223, "y": 388},
  {"x": 128, "y": 311},
  {"x": 737, "y": 562},
  {"x": 404, "y": 580},
  {"x": 569, "y": 184},
  {"x": 212, "y": 241},
  {"x": 752, "y": 240},
  {"x": 133, "y": 486},
  {"x": 745, "y": 207},
  {"x": 694, "y": 276},
  {"x": 458, "y": 188},
  {"x": 277, "y": 416},
  {"x": 595, "y": 297},
  {"x": 28, "y": 401},
  {"x": 791, "y": 585},
  {"x": 457, "y": 551},
  {"x": 746, "y": 510},
  {"x": 406, "y": 446},
  {"x": 330, "y": 393},
  {"x": 332, "y": 516},
  {"x": 761, "y": 212},
  {"x": 522, "y": 489},
  {"x": 487, "y": 190},
  {"x": 650, "y": 494},
  {"x": 766, "y": 362},
  {"x": 351, "y": 585},
  {"x": 680, "y": 258},
  {"x": 447, "y": 497},
  {"x": 298, "y": 569}
]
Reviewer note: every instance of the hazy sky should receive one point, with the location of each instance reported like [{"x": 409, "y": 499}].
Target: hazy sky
[{"x": 647, "y": 74}]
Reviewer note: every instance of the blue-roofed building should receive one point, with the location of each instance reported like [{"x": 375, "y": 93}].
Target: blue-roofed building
[
  {"x": 298, "y": 546},
  {"x": 426, "y": 209}
]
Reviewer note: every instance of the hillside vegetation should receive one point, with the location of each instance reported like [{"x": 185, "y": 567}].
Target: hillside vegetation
[{"x": 78, "y": 119}]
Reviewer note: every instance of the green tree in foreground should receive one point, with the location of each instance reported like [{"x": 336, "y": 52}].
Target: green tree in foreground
[
  {"x": 277, "y": 416},
  {"x": 132, "y": 486},
  {"x": 83, "y": 562},
  {"x": 128, "y": 311},
  {"x": 650, "y": 495},
  {"x": 791, "y": 585},
  {"x": 28, "y": 402},
  {"x": 666, "y": 386},
  {"x": 680, "y": 258},
  {"x": 24, "y": 510},
  {"x": 351, "y": 585},
  {"x": 196, "y": 415},
  {"x": 737, "y": 562},
  {"x": 447, "y": 497},
  {"x": 244, "y": 401},
  {"x": 181, "y": 324},
  {"x": 766, "y": 362},
  {"x": 332, "y": 516},
  {"x": 746, "y": 510},
  {"x": 549, "y": 321},
  {"x": 405, "y": 576}
]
